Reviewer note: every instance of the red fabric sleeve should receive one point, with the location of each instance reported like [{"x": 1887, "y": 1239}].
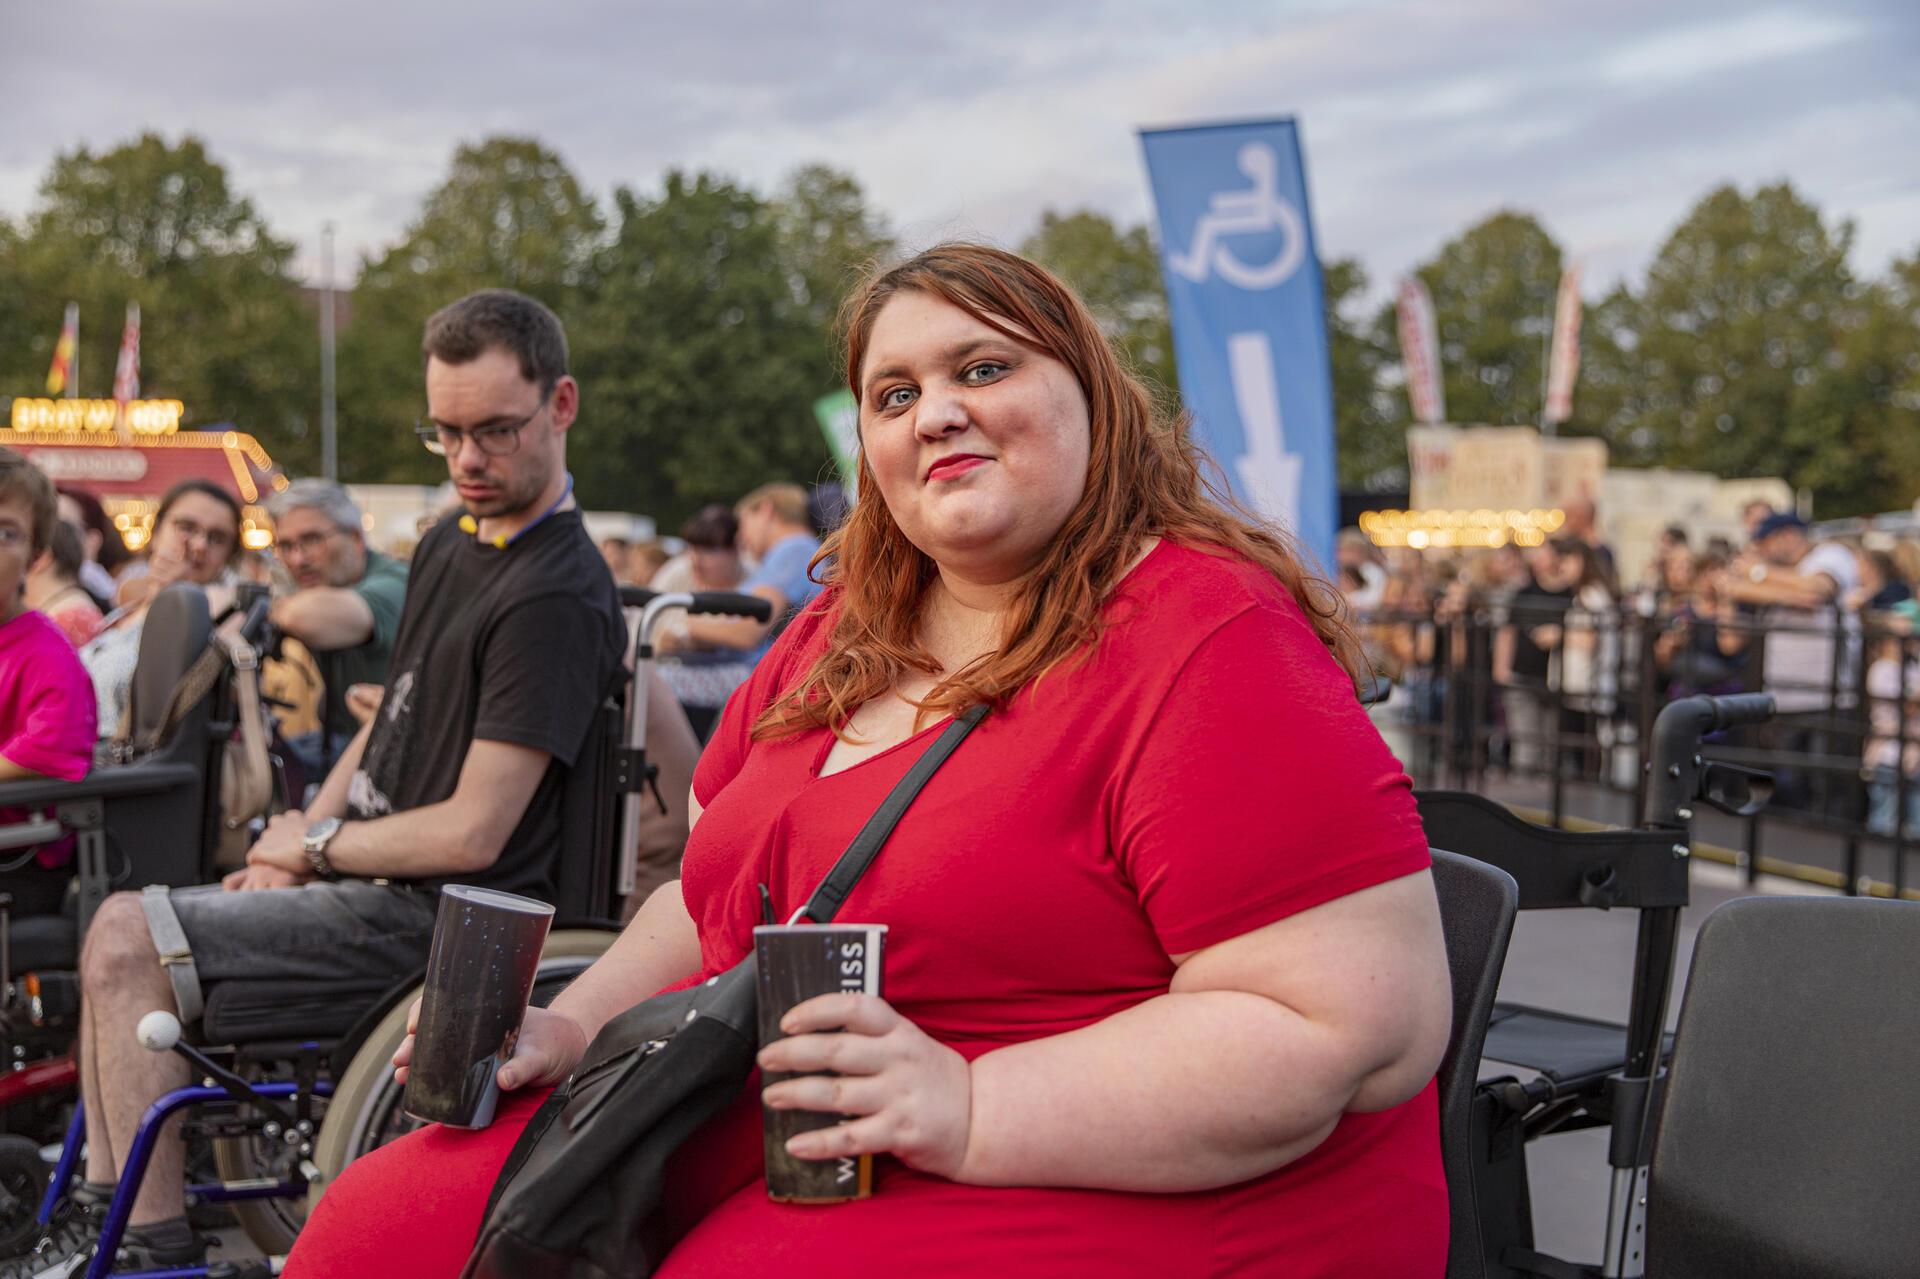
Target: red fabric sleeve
[{"x": 1260, "y": 788}]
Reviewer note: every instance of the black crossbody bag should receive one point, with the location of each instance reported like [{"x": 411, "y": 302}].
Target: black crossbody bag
[{"x": 579, "y": 1195}]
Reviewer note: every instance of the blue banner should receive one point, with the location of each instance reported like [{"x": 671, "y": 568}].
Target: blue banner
[{"x": 1249, "y": 322}]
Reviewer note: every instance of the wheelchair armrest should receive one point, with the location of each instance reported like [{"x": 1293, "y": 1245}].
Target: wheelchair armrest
[{"x": 111, "y": 782}]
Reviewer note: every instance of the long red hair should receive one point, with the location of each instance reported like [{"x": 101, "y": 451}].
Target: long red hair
[{"x": 1145, "y": 478}]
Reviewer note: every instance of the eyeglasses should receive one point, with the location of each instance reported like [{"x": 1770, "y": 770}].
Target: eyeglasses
[
  {"x": 308, "y": 544},
  {"x": 217, "y": 539},
  {"x": 495, "y": 441}
]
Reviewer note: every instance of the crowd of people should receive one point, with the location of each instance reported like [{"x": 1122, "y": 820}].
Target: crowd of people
[{"x": 1557, "y": 647}]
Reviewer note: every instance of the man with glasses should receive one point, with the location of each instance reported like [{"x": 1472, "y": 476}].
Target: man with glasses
[
  {"x": 345, "y": 608},
  {"x": 510, "y": 636}
]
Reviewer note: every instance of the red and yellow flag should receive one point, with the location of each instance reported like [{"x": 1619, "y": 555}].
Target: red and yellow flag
[{"x": 61, "y": 375}]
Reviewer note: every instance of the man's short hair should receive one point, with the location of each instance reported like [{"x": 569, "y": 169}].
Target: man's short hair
[
  {"x": 789, "y": 502},
  {"x": 499, "y": 318},
  {"x": 330, "y": 499},
  {"x": 21, "y": 480}
]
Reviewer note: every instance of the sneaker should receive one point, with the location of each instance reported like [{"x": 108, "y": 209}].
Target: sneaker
[
  {"x": 72, "y": 1233},
  {"x": 69, "y": 1245}
]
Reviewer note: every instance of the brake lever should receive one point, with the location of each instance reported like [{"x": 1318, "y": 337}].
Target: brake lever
[{"x": 1721, "y": 783}]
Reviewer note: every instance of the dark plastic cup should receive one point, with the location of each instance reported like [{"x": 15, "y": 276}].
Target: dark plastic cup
[
  {"x": 486, "y": 950},
  {"x": 795, "y": 963}
]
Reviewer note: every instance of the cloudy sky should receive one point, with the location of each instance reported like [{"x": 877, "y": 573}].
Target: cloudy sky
[{"x": 1606, "y": 120}]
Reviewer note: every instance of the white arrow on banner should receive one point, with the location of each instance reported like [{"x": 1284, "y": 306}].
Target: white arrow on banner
[{"x": 1269, "y": 474}]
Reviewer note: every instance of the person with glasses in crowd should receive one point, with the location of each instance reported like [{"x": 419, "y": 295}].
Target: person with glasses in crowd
[
  {"x": 196, "y": 536},
  {"x": 345, "y": 608},
  {"x": 508, "y": 642}
]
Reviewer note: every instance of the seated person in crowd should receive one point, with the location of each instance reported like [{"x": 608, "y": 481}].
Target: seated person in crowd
[
  {"x": 46, "y": 700},
  {"x": 1166, "y": 987},
  {"x": 505, "y": 649},
  {"x": 196, "y": 535},
  {"x": 703, "y": 676},
  {"x": 774, "y": 530},
  {"x": 53, "y": 586},
  {"x": 105, "y": 550},
  {"x": 345, "y": 607}
]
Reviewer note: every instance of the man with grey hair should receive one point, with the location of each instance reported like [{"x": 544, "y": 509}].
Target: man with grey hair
[{"x": 345, "y": 607}]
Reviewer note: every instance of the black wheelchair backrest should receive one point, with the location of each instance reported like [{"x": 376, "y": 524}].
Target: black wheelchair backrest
[
  {"x": 1789, "y": 1141},
  {"x": 1477, "y": 907},
  {"x": 176, "y": 631},
  {"x": 1559, "y": 869}
]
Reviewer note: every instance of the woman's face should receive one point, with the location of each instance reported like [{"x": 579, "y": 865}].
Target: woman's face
[
  {"x": 979, "y": 444},
  {"x": 194, "y": 541}
]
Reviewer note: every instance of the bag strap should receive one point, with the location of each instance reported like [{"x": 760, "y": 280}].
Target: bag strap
[
  {"x": 832, "y": 893},
  {"x": 252, "y": 771}
]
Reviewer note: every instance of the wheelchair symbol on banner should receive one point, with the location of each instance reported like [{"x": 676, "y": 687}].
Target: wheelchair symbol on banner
[{"x": 1258, "y": 209}]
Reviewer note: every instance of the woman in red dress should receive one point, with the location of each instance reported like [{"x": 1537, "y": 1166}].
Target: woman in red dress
[{"x": 1165, "y": 982}]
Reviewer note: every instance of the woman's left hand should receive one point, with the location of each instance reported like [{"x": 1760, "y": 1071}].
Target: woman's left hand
[{"x": 910, "y": 1095}]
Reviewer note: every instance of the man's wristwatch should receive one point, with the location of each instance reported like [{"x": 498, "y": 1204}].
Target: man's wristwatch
[
  {"x": 314, "y": 845},
  {"x": 1758, "y": 573}
]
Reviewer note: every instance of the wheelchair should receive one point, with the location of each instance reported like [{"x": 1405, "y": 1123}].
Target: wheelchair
[
  {"x": 1585, "y": 1073},
  {"x": 294, "y": 1078}
]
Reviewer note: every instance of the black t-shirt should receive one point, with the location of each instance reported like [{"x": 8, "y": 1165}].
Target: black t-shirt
[
  {"x": 510, "y": 645},
  {"x": 1534, "y": 605}
]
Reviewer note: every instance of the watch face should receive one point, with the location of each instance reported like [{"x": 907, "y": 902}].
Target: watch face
[{"x": 321, "y": 831}]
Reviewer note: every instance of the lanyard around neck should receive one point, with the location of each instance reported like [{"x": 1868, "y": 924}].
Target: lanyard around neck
[{"x": 504, "y": 540}]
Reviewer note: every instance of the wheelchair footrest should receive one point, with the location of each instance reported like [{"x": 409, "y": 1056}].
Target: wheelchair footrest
[{"x": 1571, "y": 1052}]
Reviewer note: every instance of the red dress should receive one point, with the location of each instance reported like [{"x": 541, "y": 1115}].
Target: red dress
[{"x": 1206, "y": 771}]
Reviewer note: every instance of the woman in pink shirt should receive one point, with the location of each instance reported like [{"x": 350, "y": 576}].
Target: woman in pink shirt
[{"x": 46, "y": 698}]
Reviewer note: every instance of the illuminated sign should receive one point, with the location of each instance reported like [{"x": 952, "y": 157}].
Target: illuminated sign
[
  {"x": 1447, "y": 529},
  {"x": 100, "y": 417},
  {"x": 92, "y": 466}
]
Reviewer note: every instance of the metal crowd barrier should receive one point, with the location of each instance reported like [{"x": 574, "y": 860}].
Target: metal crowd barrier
[{"x": 1576, "y": 737}]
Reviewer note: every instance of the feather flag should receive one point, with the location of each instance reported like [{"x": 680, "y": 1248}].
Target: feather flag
[
  {"x": 60, "y": 376},
  {"x": 1420, "y": 352},
  {"x": 1563, "y": 366}
]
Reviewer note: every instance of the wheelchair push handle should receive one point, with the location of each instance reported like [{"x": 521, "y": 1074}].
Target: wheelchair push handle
[
  {"x": 1680, "y": 777},
  {"x": 717, "y": 603},
  {"x": 1742, "y": 708}
]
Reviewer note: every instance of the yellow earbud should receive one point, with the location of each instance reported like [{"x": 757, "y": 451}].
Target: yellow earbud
[{"x": 470, "y": 525}]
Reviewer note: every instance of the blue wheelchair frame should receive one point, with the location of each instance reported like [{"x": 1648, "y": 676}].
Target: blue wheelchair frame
[{"x": 140, "y": 1154}]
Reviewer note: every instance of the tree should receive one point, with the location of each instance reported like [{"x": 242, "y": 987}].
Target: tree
[
  {"x": 1117, "y": 273},
  {"x": 1493, "y": 291},
  {"x": 829, "y": 239},
  {"x": 705, "y": 348},
  {"x": 510, "y": 214},
  {"x": 222, "y": 324},
  {"x": 1369, "y": 417},
  {"x": 1752, "y": 350}
]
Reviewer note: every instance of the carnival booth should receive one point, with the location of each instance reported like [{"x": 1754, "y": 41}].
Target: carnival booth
[{"x": 128, "y": 462}]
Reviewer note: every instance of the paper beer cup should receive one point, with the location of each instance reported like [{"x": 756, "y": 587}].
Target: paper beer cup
[{"x": 797, "y": 962}]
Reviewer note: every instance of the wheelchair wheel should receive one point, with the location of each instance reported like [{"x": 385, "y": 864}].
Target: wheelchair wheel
[
  {"x": 23, "y": 1180},
  {"x": 270, "y": 1223},
  {"x": 364, "y": 1113}
]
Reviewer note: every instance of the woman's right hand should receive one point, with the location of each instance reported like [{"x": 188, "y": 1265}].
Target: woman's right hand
[{"x": 549, "y": 1046}]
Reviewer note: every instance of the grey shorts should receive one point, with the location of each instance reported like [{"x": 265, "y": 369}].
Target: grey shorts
[{"x": 345, "y": 930}]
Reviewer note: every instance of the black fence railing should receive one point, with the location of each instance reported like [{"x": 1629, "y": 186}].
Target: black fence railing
[{"x": 1508, "y": 694}]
